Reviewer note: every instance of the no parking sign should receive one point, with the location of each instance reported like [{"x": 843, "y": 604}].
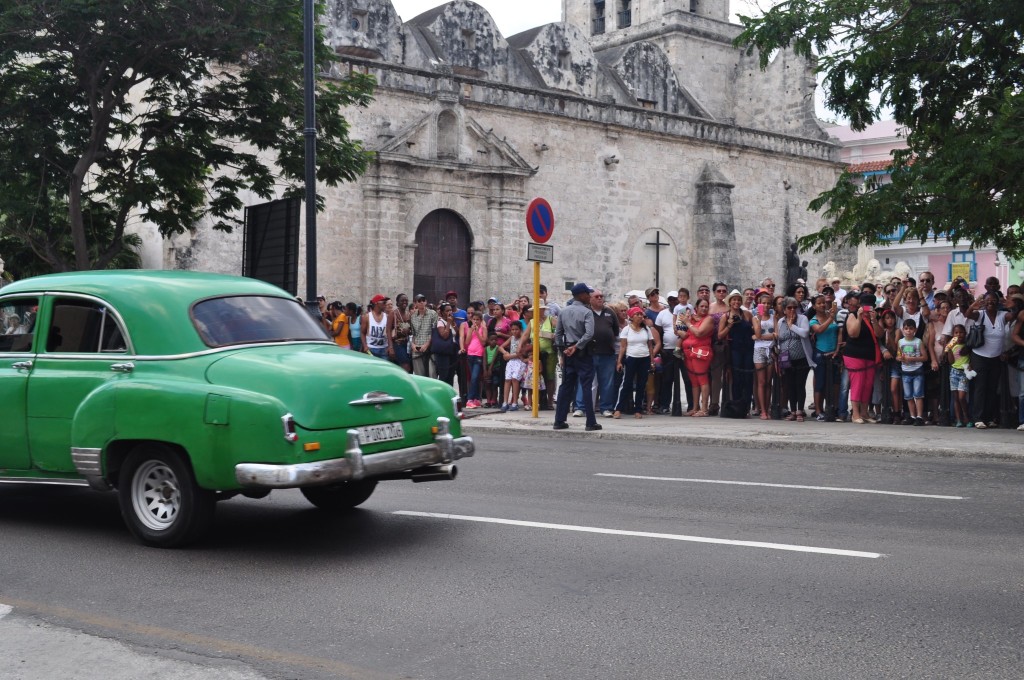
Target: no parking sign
[{"x": 540, "y": 220}]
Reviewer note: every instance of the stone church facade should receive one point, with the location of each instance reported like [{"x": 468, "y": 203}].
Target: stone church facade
[{"x": 640, "y": 123}]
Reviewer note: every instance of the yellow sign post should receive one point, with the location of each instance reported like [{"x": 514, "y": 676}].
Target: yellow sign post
[
  {"x": 540, "y": 225},
  {"x": 538, "y": 370}
]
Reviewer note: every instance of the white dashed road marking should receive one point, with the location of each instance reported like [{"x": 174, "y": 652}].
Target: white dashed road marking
[
  {"x": 5, "y": 610},
  {"x": 785, "y": 486},
  {"x": 644, "y": 534}
]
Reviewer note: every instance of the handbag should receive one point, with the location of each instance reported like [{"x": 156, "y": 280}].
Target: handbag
[
  {"x": 976, "y": 335},
  {"x": 441, "y": 345},
  {"x": 784, "y": 361},
  {"x": 783, "y": 354}
]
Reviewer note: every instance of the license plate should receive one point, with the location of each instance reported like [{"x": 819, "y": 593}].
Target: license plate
[{"x": 386, "y": 432}]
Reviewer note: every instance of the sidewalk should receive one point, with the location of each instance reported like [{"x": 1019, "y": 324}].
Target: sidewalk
[{"x": 753, "y": 433}]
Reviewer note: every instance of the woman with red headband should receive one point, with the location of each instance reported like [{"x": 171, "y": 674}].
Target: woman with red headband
[{"x": 637, "y": 350}]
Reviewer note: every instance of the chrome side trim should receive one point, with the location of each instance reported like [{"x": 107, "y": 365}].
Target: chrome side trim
[
  {"x": 373, "y": 398},
  {"x": 37, "y": 480},
  {"x": 89, "y": 464},
  {"x": 356, "y": 465},
  {"x": 121, "y": 356},
  {"x": 87, "y": 461}
]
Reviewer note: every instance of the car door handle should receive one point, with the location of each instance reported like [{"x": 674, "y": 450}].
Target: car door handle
[
  {"x": 123, "y": 368},
  {"x": 19, "y": 365}
]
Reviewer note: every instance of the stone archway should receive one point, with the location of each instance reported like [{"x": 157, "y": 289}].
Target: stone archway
[{"x": 444, "y": 257}]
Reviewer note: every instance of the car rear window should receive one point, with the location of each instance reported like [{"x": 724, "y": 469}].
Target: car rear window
[{"x": 248, "y": 319}]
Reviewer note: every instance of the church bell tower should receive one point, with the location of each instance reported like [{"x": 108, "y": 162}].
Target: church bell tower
[{"x": 605, "y": 17}]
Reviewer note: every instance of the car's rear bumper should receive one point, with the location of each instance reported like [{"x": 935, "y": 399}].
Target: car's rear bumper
[{"x": 355, "y": 465}]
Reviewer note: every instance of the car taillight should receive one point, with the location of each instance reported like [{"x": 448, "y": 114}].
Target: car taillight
[{"x": 289, "y": 428}]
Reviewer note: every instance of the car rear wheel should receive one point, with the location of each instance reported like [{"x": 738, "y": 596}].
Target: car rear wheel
[
  {"x": 340, "y": 497},
  {"x": 160, "y": 500}
]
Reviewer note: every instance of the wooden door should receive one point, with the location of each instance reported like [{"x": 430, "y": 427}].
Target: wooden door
[{"x": 443, "y": 257}]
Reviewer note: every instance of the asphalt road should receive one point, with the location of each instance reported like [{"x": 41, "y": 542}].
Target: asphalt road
[{"x": 617, "y": 577}]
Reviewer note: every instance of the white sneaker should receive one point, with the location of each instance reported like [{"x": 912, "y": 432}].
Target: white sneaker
[
  {"x": 980, "y": 426},
  {"x": 609, "y": 414},
  {"x": 1020, "y": 428},
  {"x": 577, "y": 413}
]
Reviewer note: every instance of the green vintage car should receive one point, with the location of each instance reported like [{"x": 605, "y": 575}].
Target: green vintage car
[{"x": 180, "y": 389}]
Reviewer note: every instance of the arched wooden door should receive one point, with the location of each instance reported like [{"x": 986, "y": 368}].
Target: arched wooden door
[{"x": 443, "y": 257}]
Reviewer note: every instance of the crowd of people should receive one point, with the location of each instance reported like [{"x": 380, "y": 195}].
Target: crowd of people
[{"x": 905, "y": 352}]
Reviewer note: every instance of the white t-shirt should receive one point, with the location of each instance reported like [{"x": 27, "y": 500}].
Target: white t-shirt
[
  {"x": 667, "y": 321},
  {"x": 995, "y": 333},
  {"x": 636, "y": 341},
  {"x": 683, "y": 308}
]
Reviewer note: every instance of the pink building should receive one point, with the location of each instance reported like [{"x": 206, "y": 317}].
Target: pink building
[{"x": 868, "y": 154}]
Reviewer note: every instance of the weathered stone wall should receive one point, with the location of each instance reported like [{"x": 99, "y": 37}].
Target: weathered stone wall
[
  {"x": 562, "y": 57},
  {"x": 779, "y": 98},
  {"x": 603, "y": 210}
]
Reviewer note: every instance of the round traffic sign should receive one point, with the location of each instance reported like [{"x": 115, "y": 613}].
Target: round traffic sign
[{"x": 540, "y": 220}]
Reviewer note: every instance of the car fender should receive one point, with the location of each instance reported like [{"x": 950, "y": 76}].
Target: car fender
[
  {"x": 443, "y": 397},
  {"x": 215, "y": 427}
]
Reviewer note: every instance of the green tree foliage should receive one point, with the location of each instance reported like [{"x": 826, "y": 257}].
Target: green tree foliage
[
  {"x": 951, "y": 72},
  {"x": 161, "y": 111}
]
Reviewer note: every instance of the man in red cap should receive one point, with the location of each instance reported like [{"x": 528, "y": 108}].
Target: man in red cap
[{"x": 374, "y": 325}]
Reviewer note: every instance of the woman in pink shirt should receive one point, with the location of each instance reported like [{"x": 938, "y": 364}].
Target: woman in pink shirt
[{"x": 472, "y": 343}]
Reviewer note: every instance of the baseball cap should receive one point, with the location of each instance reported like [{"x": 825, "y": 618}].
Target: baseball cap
[
  {"x": 651, "y": 291},
  {"x": 377, "y": 298},
  {"x": 420, "y": 296},
  {"x": 581, "y": 288},
  {"x": 493, "y": 299},
  {"x": 451, "y": 293}
]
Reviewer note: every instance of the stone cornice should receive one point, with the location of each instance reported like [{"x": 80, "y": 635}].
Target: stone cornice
[{"x": 562, "y": 104}]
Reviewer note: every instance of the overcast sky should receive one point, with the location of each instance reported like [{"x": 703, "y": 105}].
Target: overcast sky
[{"x": 514, "y": 16}]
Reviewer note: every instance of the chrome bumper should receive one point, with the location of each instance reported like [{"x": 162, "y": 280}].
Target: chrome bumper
[{"x": 355, "y": 465}]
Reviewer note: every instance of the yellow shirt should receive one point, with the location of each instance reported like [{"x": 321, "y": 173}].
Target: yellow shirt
[{"x": 340, "y": 328}]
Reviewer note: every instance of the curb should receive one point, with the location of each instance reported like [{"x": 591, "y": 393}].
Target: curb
[{"x": 743, "y": 440}]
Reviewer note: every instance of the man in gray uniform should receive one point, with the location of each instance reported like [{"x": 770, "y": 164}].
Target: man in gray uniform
[{"x": 573, "y": 336}]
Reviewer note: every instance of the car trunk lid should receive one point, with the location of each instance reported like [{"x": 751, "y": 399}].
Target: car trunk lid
[{"x": 324, "y": 387}]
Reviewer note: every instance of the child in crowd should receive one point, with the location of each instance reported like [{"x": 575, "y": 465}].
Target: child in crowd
[
  {"x": 909, "y": 353},
  {"x": 494, "y": 372},
  {"x": 513, "y": 350},
  {"x": 527, "y": 385},
  {"x": 959, "y": 357},
  {"x": 888, "y": 340}
]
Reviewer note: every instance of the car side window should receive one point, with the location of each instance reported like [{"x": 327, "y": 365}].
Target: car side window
[
  {"x": 83, "y": 327},
  {"x": 17, "y": 324}
]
